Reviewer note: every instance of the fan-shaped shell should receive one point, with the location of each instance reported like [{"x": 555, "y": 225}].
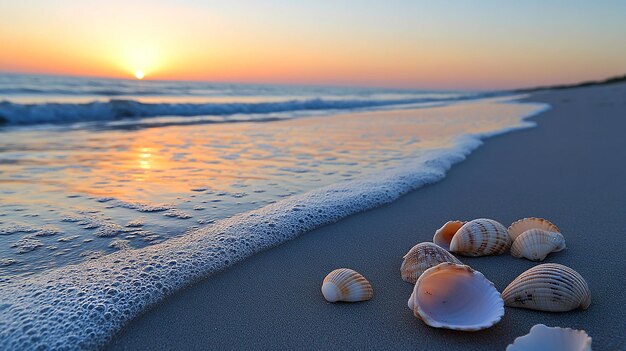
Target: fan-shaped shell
[
  {"x": 421, "y": 257},
  {"x": 542, "y": 338},
  {"x": 480, "y": 237},
  {"x": 518, "y": 227},
  {"x": 444, "y": 235},
  {"x": 536, "y": 244},
  {"x": 454, "y": 296},
  {"x": 548, "y": 287},
  {"x": 344, "y": 284}
]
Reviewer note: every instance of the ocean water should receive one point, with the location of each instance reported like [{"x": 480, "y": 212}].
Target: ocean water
[{"x": 116, "y": 193}]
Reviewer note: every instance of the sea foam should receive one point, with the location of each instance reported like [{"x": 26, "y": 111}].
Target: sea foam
[{"x": 81, "y": 306}]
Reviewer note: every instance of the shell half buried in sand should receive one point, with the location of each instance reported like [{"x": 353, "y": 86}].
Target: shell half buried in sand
[
  {"x": 548, "y": 287},
  {"x": 421, "y": 257},
  {"x": 455, "y": 296},
  {"x": 480, "y": 237},
  {"x": 536, "y": 244},
  {"x": 543, "y": 338},
  {"x": 346, "y": 285},
  {"x": 443, "y": 236},
  {"x": 518, "y": 227}
]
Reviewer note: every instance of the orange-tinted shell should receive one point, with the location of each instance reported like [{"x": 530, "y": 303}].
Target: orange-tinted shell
[
  {"x": 481, "y": 237},
  {"x": 344, "y": 284},
  {"x": 443, "y": 236}
]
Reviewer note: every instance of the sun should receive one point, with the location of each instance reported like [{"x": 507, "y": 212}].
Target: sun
[{"x": 139, "y": 74}]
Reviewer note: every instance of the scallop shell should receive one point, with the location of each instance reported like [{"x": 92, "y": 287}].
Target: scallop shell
[
  {"x": 518, "y": 227},
  {"x": 480, "y": 237},
  {"x": 454, "y": 296},
  {"x": 444, "y": 235},
  {"x": 421, "y": 257},
  {"x": 344, "y": 284},
  {"x": 542, "y": 338},
  {"x": 536, "y": 244},
  {"x": 548, "y": 287}
]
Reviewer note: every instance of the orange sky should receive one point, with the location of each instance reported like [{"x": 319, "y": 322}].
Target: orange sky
[{"x": 399, "y": 44}]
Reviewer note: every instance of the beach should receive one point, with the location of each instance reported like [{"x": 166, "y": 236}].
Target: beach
[
  {"x": 569, "y": 170},
  {"x": 105, "y": 214}
]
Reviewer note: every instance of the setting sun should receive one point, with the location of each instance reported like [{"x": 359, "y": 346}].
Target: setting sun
[{"x": 139, "y": 60}]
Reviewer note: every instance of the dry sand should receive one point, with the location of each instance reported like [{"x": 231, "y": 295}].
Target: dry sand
[{"x": 571, "y": 170}]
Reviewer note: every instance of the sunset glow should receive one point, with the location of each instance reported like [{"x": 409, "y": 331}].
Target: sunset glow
[{"x": 410, "y": 44}]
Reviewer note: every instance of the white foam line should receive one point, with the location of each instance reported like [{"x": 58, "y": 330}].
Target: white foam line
[{"x": 81, "y": 306}]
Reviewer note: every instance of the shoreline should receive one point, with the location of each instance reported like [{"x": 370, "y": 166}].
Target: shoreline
[
  {"x": 121, "y": 285},
  {"x": 272, "y": 299}
]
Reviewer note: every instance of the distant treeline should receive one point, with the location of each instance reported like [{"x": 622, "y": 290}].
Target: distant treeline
[{"x": 620, "y": 79}]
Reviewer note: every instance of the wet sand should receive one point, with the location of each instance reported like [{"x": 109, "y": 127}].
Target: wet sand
[{"x": 570, "y": 169}]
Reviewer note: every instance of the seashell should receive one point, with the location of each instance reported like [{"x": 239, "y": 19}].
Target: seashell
[
  {"x": 454, "y": 296},
  {"x": 542, "y": 338},
  {"x": 344, "y": 284},
  {"x": 536, "y": 244},
  {"x": 444, "y": 235},
  {"x": 480, "y": 237},
  {"x": 421, "y": 257},
  {"x": 548, "y": 287},
  {"x": 518, "y": 227}
]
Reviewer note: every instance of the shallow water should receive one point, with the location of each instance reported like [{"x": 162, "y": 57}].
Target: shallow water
[{"x": 76, "y": 194}]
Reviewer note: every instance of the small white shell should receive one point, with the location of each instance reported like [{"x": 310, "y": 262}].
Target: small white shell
[
  {"x": 454, "y": 296},
  {"x": 536, "y": 244},
  {"x": 421, "y": 257},
  {"x": 480, "y": 237},
  {"x": 344, "y": 284},
  {"x": 542, "y": 338},
  {"x": 444, "y": 235},
  {"x": 518, "y": 227},
  {"x": 548, "y": 287}
]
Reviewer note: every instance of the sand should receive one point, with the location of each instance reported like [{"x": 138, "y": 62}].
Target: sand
[{"x": 570, "y": 170}]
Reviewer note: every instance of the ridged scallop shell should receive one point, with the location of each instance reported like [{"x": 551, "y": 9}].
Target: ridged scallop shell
[
  {"x": 344, "y": 284},
  {"x": 421, "y": 257},
  {"x": 543, "y": 338},
  {"x": 444, "y": 235},
  {"x": 548, "y": 287},
  {"x": 480, "y": 237},
  {"x": 518, "y": 227},
  {"x": 454, "y": 296},
  {"x": 536, "y": 244}
]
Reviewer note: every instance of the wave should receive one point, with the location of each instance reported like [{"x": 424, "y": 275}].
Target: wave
[
  {"x": 83, "y": 305},
  {"x": 53, "y": 113}
]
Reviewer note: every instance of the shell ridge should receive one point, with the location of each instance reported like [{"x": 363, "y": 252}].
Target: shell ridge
[
  {"x": 548, "y": 287},
  {"x": 348, "y": 285}
]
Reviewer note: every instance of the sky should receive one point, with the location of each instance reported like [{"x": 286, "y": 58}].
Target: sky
[{"x": 394, "y": 43}]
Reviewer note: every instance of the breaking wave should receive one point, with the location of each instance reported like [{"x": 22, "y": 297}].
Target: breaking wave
[{"x": 53, "y": 113}]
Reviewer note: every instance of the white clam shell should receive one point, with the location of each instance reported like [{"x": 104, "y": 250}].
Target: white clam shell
[
  {"x": 543, "y": 338},
  {"x": 480, "y": 237},
  {"x": 455, "y": 296},
  {"x": 518, "y": 227},
  {"x": 444, "y": 235},
  {"x": 344, "y": 284},
  {"x": 536, "y": 244},
  {"x": 421, "y": 257},
  {"x": 548, "y": 287}
]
